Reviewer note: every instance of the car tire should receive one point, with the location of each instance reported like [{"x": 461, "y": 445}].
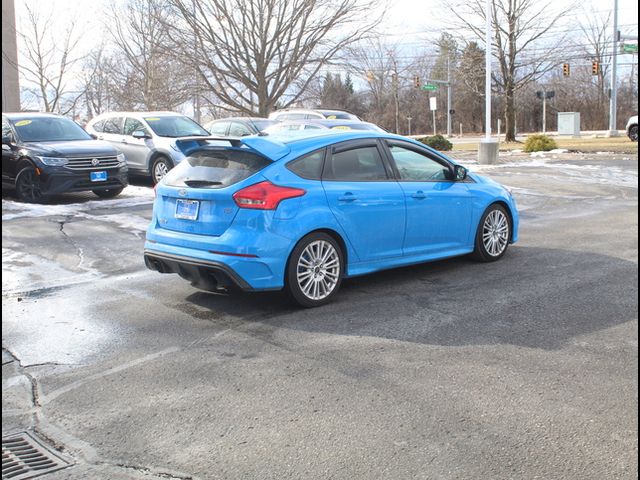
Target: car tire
[
  {"x": 493, "y": 234},
  {"x": 633, "y": 133},
  {"x": 108, "y": 193},
  {"x": 28, "y": 185},
  {"x": 314, "y": 271},
  {"x": 159, "y": 168}
]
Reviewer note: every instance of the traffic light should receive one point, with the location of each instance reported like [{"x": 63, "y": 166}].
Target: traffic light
[
  {"x": 595, "y": 68},
  {"x": 416, "y": 81},
  {"x": 566, "y": 69}
]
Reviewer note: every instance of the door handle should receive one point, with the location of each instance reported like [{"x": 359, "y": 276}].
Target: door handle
[
  {"x": 420, "y": 195},
  {"x": 124, "y": 140},
  {"x": 100, "y": 137},
  {"x": 347, "y": 197}
]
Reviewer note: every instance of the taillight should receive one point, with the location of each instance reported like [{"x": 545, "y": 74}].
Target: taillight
[{"x": 265, "y": 196}]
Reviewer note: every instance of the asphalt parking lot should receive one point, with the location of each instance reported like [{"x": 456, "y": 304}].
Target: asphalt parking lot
[{"x": 525, "y": 368}]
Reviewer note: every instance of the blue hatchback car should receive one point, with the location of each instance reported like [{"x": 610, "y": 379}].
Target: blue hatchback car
[{"x": 304, "y": 212}]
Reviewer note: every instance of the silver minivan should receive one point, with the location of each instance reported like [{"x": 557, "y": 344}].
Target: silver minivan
[{"x": 147, "y": 139}]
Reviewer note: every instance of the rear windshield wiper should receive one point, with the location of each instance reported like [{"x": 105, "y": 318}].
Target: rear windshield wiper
[{"x": 202, "y": 183}]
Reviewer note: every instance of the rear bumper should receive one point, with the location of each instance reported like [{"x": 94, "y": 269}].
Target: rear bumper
[{"x": 204, "y": 274}]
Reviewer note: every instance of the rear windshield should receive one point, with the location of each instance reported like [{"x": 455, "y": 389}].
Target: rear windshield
[
  {"x": 215, "y": 168},
  {"x": 331, "y": 115},
  {"x": 178, "y": 126},
  {"x": 263, "y": 124}
]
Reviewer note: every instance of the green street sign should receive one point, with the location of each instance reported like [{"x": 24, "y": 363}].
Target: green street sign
[
  {"x": 429, "y": 86},
  {"x": 630, "y": 47}
]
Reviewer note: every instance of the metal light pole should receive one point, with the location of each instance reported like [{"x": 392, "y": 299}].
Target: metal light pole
[
  {"x": 613, "y": 129},
  {"x": 409, "y": 121},
  {"x": 488, "y": 148},
  {"x": 487, "y": 79}
]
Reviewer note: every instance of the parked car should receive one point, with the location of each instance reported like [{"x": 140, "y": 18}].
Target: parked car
[
  {"x": 319, "y": 114},
  {"x": 148, "y": 139},
  {"x": 239, "y": 126},
  {"x": 302, "y": 213},
  {"x": 44, "y": 154},
  {"x": 318, "y": 124},
  {"x": 632, "y": 128}
]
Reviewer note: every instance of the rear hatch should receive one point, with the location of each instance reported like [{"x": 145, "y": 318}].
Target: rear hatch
[{"x": 196, "y": 195}]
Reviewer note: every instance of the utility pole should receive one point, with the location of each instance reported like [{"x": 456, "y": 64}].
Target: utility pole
[
  {"x": 613, "y": 101},
  {"x": 448, "y": 93},
  {"x": 394, "y": 84},
  {"x": 409, "y": 121}
]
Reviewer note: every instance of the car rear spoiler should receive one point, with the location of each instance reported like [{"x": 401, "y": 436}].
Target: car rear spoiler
[{"x": 271, "y": 149}]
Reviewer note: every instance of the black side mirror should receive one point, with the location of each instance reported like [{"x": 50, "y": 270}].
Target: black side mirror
[
  {"x": 94, "y": 136},
  {"x": 8, "y": 140},
  {"x": 140, "y": 134},
  {"x": 459, "y": 173}
]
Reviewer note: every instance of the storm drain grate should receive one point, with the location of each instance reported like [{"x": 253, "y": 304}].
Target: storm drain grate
[{"x": 24, "y": 456}]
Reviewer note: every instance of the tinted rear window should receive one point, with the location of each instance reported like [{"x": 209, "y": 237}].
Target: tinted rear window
[{"x": 215, "y": 169}]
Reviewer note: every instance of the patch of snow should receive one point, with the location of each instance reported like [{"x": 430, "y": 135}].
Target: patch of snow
[{"x": 131, "y": 196}]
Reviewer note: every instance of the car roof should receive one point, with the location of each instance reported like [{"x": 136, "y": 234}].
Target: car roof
[
  {"x": 141, "y": 114},
  {"x": 21, "y": 115},
  {"x": 251, "y": 119}
]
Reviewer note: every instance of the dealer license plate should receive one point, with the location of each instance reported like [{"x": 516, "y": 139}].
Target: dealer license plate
[
  {"x": 187, "y": 209},
  {"x": 98, "y": 176}
]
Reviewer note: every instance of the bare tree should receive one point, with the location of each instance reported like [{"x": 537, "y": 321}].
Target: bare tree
[
  {"x": 596, "y": 37},
  {"x": 521, "y": 43},
  {"x": 101, "y": 91},
  {"x": 256, "y": 54},
  {"x": 150, "y": 74},
  {"x": 49, "y": 54}
]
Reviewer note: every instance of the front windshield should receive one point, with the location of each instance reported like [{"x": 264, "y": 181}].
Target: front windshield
[
  {"x": 49, "y": 129},
  {"x": 176, "y": 126}
]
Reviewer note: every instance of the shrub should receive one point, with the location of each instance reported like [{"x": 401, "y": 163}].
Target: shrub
[
  {"x": 539, "y": 143},
  {"x": 437, "y": 142}
]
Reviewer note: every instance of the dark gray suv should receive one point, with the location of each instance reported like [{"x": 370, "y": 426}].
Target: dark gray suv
[{"x": 44, "y": 154}]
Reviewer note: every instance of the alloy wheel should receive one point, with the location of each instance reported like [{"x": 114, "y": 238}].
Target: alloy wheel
[
  {"x": 318, "y": 270},
  {"x": 28, "y": 186},
  {"x": 495, "y": 232}
]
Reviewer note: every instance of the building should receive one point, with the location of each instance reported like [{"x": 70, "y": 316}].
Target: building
[{"x": 10, "y": 81}]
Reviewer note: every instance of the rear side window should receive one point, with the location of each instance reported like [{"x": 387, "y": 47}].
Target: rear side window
[
  {"x": 215, "y": 168},
  {"x": 99, "y": 126},
  {"x": 112, "y": 125},
  {"x": 219, "y": 128},
  {"x": 309, "y": 166},
  {"x": 357, "y": 164},
  {"x": 132, "y": 125},
  {"x": 239, "y": 130}
]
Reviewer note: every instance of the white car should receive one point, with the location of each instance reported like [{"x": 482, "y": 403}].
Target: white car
[
  {"x": 317, "y": 114},
  {"x": 632, "y": 128}
]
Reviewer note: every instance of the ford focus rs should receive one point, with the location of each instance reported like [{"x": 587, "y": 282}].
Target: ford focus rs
[{"x": 304, "y": 212}]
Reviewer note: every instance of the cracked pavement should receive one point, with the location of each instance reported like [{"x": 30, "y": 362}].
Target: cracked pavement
[{"x": 526, "y": 368}]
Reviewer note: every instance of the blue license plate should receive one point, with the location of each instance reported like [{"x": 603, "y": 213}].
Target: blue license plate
[
  {"x": 187, "y": 209},
  {"x": 98, "y": 176}
]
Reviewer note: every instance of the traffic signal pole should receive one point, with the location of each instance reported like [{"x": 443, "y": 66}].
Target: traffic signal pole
[{"x": 613, "y": 101}]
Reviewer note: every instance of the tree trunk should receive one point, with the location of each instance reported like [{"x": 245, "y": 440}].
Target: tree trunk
[{"x": 510, "y": 115}]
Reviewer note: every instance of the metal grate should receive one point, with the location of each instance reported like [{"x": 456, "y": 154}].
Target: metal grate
[{"x": 24, "y": 456}]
